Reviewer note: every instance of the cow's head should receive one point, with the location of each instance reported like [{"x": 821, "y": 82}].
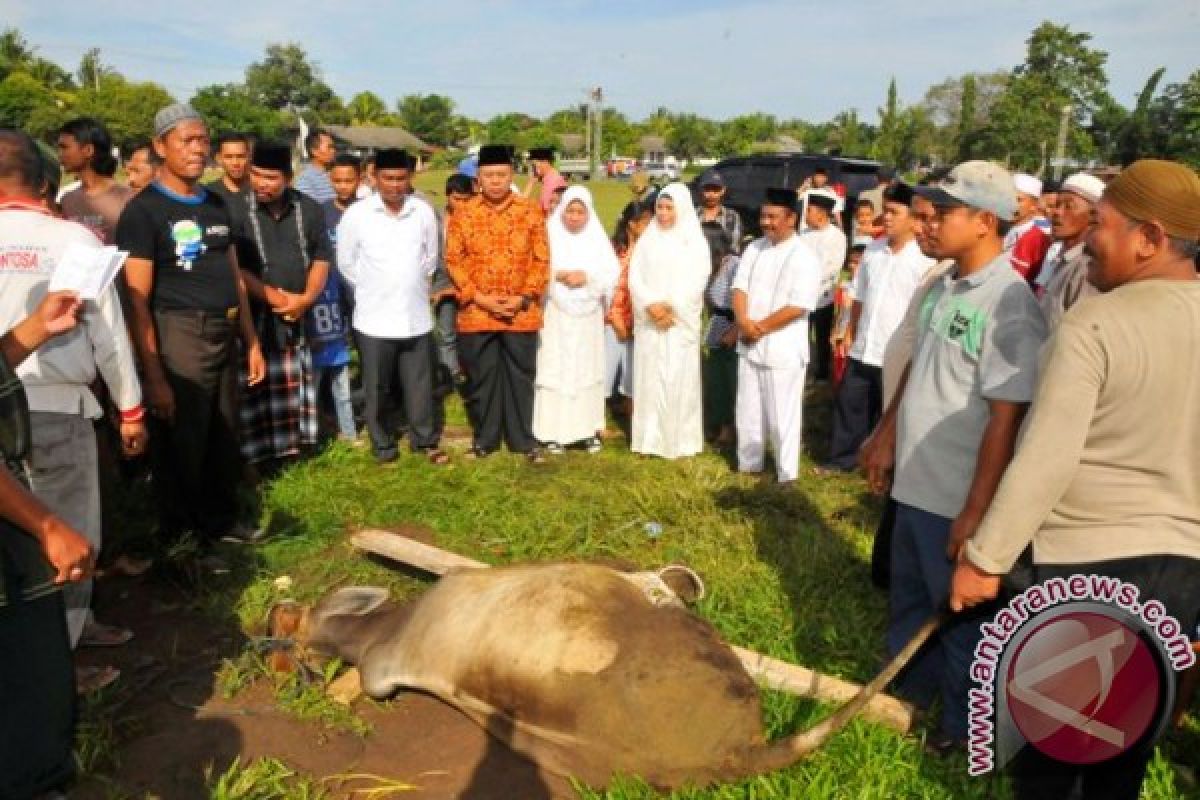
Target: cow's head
[{"x": 334, "y": 626}]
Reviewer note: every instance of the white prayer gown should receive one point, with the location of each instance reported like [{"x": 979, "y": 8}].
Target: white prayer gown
[
  {"x": 669, "y": 266},
  {"x": 569, "y": 390}
]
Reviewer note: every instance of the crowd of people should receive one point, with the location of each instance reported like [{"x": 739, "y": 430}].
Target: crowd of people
[{"x": 1000, "y": 353}]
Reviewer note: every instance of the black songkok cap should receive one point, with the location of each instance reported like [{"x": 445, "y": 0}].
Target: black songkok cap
[
  {"x": 272, "y": 155},
  {"x": 900, "y": 193},
  {"x": 393, "y": 158},
  {"x": 542, "y": 153},
  {"x": 822, "y": 200},
  {"x": 781, "y": 197},
  {"x": 492, "y": 154}
]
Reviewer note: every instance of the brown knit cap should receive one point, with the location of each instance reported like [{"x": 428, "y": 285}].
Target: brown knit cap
[{"x": 1159, "y": 191}]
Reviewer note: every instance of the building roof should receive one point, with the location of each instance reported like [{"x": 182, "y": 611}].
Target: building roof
[
  {"x": 653, "y": 143},
  {"x": 377, "y": 137}
]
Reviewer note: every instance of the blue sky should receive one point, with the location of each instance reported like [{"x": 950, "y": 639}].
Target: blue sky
[{"x": 791, "y": 58}]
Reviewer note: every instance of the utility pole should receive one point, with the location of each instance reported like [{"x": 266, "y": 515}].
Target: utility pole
[
  {"x": 1060, "y": 150},
  {"x": 598, "y": 114}
]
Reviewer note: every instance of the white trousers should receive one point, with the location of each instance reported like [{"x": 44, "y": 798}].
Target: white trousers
[{"x": 770, "y": 406}]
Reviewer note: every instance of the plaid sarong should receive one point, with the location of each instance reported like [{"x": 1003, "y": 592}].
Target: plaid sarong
[{"x": 279, "y": 416}]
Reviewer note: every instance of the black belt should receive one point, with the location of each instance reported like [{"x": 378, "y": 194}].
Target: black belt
[
  {"x": 201, "y": 314},
  {"x": 721, "y": 312}
]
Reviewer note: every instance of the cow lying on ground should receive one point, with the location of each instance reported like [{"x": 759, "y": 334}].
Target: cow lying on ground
[{"x": 578, "y": 667}]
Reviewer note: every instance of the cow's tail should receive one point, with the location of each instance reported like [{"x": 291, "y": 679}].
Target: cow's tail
[{"x": 787, "y": 751}]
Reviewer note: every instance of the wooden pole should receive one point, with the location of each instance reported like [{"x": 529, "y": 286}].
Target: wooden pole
[{"x": 769, "y": 672}]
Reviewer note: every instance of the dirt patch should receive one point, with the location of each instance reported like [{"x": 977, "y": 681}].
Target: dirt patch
[{"x": 164, "y": 747}]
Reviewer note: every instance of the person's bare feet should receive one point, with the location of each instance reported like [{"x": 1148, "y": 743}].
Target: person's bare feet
[
  {"x": 97, "y": 634},
  {"x": 89, "y": 680}
]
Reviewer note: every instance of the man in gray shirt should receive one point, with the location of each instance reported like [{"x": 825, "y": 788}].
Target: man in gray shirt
[{"x": 954, "y": 424}]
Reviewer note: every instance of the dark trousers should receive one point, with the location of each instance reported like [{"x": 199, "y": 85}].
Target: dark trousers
[
  {"x": 920, "y": 585},
  {"x": 500, "y": 369},
  {"x": 195, "y": 457},
  {"x": 821, "y": 324},
  {"x": 1175, "y": 582},
  {"x": 403, "y": 368},
  {"x": 881, "y": 548},
  {"x": 857, "y": 406}
]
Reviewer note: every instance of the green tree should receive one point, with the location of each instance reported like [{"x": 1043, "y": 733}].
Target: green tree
[
  {"x": 431, "y": 117},
  {"x": 230, "y": 107},
  {"x": 691, "y": 136},
  {"x": 15, "y": 52},
  {"x": 1060, "y": 69},
  {"x": 508, "y": 128},
  {"x": 285, "y": 77},
  {"x": 1176, "y": 115},
  {"x": 1135, "y": 135},
  {"x": 888, "y": 144},
  {"x": 92, "y": 69},
  {"x": 966, "y": 119},
  {"x": 20, "y": 96},
  {"x": 126, "y": 108},
  {"x": 367, "y": 108}
]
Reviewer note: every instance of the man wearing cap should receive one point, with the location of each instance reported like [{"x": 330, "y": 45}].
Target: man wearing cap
[
  {"x": 1066, "y": 280},
  {"x": 189, "y": 304},
  {"x": 387, "y": 250},
  {"x": 499, "y": 259},
  {"x": 829, "y": 243},
  {"x": 541, "y": 160},
  {"x": 774, "y": 291},
  {"x": 891, "y": 269},
  {"x": 1029, "y": 238},
  {"x": 1104, "y": 482},
  {"x": 284, "y": 253},
  {"x": 953, "y": 428},
  {"x": 715, "y": 216}
]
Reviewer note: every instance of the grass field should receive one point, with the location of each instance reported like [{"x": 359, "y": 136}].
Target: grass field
[{"x": 786, "y": 571}]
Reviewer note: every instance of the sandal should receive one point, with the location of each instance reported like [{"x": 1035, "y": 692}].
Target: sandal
[
  {"x": 438, "y": 457},
  {"x": 89, "y": 680},
  {"x": 96, "y": 634}
]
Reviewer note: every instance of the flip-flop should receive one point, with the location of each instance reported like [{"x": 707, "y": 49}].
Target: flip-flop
[
  {"x": 89, "y": 680},
  {"x": 96, "y": 634}
]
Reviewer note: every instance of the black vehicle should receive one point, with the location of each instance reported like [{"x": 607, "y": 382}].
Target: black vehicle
[{"x": 748, "y": 177}]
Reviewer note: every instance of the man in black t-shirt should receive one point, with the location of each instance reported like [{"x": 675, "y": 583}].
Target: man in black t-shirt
[
  {"x": 189, "y": 304},
  {"x": 284, "y": 252},
  {"x": 233, "y": 156}
]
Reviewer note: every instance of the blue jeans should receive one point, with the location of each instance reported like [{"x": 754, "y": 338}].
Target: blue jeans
[
  {"x": 339, "y": 390},
  {"x": 920, "y": 586}
]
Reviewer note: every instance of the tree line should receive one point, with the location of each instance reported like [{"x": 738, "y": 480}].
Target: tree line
[{"x": 1007, "y": 115}]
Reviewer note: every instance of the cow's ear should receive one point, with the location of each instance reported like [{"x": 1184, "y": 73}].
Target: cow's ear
[{"x": 353, "y": 601}]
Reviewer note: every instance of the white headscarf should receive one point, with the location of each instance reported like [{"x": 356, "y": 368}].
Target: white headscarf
[
  {"x": 672, "y": 265},
  {"x": 589, "y": 251}
]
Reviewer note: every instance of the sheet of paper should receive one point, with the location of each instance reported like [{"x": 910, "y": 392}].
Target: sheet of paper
[{"x": 87, "y": 270}]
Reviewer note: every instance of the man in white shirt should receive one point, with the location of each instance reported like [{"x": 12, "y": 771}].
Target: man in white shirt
[
  {"x": 64, "y": 472},
  {"x": 387, "y": 250},
  {"x": 891, "y": 270},
  {"x": 829, "y": 243},
  {"x": 775, "y": 290}
]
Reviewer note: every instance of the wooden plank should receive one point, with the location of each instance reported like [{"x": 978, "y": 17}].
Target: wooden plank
[{"x": 770, "y": 672}]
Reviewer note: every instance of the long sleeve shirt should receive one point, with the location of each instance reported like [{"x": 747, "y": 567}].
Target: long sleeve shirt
[
  {"x": 57, "y": 377},
  {"x": 388, "y": 259},
  {"x": 498, "y": 249},
  {"x": 1104, "y": 468}
]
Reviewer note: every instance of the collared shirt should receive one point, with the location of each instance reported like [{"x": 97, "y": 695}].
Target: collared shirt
[
  {"x": 829, "y": 243},
  {"x": 884, "y": 285},
  {"x": 289, "y": 243},
  {"x": 773, "y": 276},
  {"x": 387, "y": 259},
  {"x": 315, "y": 183},
  {"x": 1027, "y": 244},
  {"x": 57, "y": 377},
  {"x": 1068, "y": 284},
  {"x": 978, "y": 340},
  {"x": 499, "y": 249},
  {"x": 729, "y": 221}
]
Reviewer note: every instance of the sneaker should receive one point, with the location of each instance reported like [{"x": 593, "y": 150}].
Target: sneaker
[
  {"x": 593, "y": 445},
  {"x": 552, "y": 449},
  {"x": 241, "y": 533},
  {"x": 536, "y": 456}
]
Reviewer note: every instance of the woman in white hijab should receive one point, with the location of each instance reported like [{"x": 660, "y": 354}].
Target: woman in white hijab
[
  {"x": 667, "y": 277},
  {"x": 568, "y": 401}
]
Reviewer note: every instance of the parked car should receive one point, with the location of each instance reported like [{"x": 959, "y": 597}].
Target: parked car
[
  {"x": 661, "y": 171},
  {"x": 748, "y": 177}
]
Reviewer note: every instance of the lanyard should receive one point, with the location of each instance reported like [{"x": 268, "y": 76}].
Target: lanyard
[{"x": 256, "y": 227}]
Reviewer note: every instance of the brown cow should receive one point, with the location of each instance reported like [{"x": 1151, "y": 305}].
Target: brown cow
[{"x": 572, "y": 665}]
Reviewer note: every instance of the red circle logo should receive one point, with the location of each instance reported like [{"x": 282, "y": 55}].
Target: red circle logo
[{"x": 1084, "y": 687}]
